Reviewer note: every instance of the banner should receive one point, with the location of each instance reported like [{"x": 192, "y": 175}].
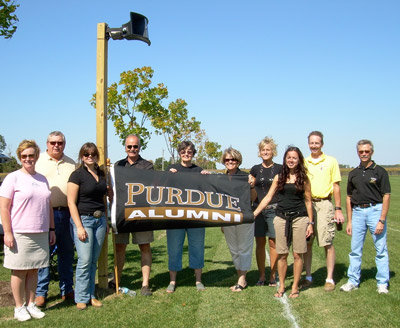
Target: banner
[{"x": 152, "y": 200}]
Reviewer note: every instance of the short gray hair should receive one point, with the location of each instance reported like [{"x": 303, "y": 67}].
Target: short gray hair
[
  {"x": 56, "y": 134},
  {"x": 363, "y": 142}
]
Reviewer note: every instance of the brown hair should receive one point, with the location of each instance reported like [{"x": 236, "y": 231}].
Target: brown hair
[
  {"x": 25, "y": 144},
  {"x": 87, "y": 147},
  {"x": 234, "y": 153},
  {"x": 318, "y": 134}
]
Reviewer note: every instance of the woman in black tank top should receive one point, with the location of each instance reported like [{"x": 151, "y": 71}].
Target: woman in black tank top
[{"x": 294, "y": 220}]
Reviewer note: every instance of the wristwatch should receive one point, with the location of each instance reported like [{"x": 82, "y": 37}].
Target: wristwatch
[{"x": 382, "y": 221}]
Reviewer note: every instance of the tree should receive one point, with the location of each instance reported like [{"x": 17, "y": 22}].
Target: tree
[
  {"x": 3, "y": 143},
  {"x": 7, "y": 18},
  {"x": 158, "y": 164},
  {"x": 209, "y": 154},
  {"x": 136, "y": 107},
  {"x": 176, "y": 126}
]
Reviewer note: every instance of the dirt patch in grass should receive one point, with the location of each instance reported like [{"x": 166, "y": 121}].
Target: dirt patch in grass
[{"x": 6, "y": 298}]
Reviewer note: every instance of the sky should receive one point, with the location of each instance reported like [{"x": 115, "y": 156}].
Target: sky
[{"x": 247, "y": 69}]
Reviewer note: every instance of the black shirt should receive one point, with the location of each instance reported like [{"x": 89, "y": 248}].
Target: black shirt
[
  {"x": 264, "y": 177},
  {"x": 291, "y": 200},
  {"x": 139, "y": 164},
  {"x": 91, "y": 193},
  {"x": 180, "y": 168},
  {"x": 368, "y": 185}
]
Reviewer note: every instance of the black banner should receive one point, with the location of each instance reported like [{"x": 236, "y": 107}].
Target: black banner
[{"x": 152, "y": 200}]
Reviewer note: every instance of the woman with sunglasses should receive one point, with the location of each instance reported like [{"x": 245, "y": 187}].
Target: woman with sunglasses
[
  {"x": 176, "y": 237},
  {"x": 260, "y": 179},
  {"x": 238, "y": 237},
  {"x": 86, "y": 189},
  {"x": 293, "y": 222},
  {"x": 28, "y": 224}
]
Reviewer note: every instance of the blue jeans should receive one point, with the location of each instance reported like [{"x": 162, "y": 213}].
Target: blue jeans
[
  {"x": 175, "y": 240},
  {"x": 65, "y": 256},
  {"x": 88, "y": 253},
  {"x": 365, "y": 219}
]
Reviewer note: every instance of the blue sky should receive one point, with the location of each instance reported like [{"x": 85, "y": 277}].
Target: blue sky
[{"x": 246, "y": 69}]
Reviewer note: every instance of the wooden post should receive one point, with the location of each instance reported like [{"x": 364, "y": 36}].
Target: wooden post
[{"x": 101, "y": 131}]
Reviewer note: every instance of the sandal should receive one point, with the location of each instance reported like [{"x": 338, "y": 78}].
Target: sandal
[
  {"x": 272, "y": 284},
  {"x": 170, "y": 288},
  {"x": 260, "y": 283},
  {"x": 294, "y": 295},
  {"x": 238, "y": 288},
  {"x": 279, "y": 294},
  {"x": 200, "y": 287}
]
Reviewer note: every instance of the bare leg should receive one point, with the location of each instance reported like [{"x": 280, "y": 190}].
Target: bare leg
[
  {"x": 273, "y": 258},
  {"x": 18, "y": 281},
  {"x": 297, "y": 269},
  {"x": 120, "y": 252},
  {"x": 172, "y": 277},
  {"x": 282, "y": 268},
  {"x": 145, "y": 252},
  {"x": 197, "y": 274},
  {"x": 30, "y": 285},
  {"x": 330, "y": 260},
  {"x": 260, "y": 256},
  {"x": 308, "y": 258}
]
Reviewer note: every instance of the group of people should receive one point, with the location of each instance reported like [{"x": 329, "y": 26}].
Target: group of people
[{"x": 52, "y": 201}]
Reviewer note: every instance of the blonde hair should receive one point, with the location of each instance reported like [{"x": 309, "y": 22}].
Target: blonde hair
[
  {"x": 25, "y": 144},
  {"x": 268, "y": 141},
  {"x": 234, "y": 153}
]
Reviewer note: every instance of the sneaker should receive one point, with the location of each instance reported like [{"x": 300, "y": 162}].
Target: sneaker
[
  {"x": 146, "y": 291},
  {"x": 305, "y": 283},
  {"x": 34, "y": 311},
  {"x": 21, "y": 314},
  {"x": 348, "y": 287},
  {"x": 382, "y": 289},
  {"x": 329, "y": 287}
]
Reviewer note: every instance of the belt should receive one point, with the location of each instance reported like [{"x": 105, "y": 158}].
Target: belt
[
  {"x": 60, "y": 208},
  {"x": 97, "y": 214},
  {"x": 271, "y": 207},
  {"x": 321, "y": 199},
  {"x": 365, "y": 205}
]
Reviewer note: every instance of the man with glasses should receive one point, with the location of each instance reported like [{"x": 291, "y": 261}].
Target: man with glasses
[
  {"x": 324, "y": 174},
  {"x": 367, "y": 203},
  {"x": 143, "y": 239},
  {"x": 57, "y": 167}
]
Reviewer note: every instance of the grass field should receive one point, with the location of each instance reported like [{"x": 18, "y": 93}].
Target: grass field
[{"x": 254, "y": 307}]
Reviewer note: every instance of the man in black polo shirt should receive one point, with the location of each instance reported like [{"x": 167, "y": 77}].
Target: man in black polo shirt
[
  {"x": 143, "y": 239},
  {"x": 368, "y": 198}
]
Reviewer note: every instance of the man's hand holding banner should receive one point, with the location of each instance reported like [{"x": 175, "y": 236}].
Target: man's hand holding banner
[{"x": 153, "y": 200}]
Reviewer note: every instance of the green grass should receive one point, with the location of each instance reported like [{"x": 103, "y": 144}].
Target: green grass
[{"x": 254, "y": 307}]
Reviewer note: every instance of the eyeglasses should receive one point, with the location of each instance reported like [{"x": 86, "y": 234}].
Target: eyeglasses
[
  {"x": 87, "y": 155},
  {"x": 183, "y": 152},
  {"x": 230, "y": 160},
  {"x": 30, "y": 156},
  {"x": 364, "y": 151},
  {"x": 132, "y": 146},
  {"x": 58, "y": 143}
]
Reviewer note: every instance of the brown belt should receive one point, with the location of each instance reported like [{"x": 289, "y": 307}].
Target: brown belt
[
  {"x": 321, "y": 199},
  {"x": 365, "y": 205}
]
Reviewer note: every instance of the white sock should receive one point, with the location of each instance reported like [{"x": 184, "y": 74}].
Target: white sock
[{"x": 330, "y": 280}]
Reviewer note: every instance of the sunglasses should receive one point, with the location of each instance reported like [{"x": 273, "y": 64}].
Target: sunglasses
[
  {"x": 364, "y": 151},
  {"x": 58, "y": 143},
  {"x": 87, "y": 155},
  {"x": 30, "y": 156},
  {"x": 189, "y": 152},
  {"x": 230, "y": 160},
  {"x": 132, "y": 146}
]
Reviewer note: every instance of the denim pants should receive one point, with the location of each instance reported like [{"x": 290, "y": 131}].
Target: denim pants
[
  {"x": 175, "y": 240},
  {"x": 365, "y": 219},
  {"x": 65, "y": 256},
  {"x": 88, "y": 253}
]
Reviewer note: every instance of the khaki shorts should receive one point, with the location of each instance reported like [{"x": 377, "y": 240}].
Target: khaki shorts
[
  {"x": 141, "y": 237},
  {"x": 299, "y": 228},
  {"x": 324, "y": 218}
]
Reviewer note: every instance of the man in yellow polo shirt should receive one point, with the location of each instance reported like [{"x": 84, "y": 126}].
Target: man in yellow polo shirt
[{"x": 324, "y": 175}]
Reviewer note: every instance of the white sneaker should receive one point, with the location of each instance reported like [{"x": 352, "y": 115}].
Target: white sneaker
[
  {"x": 348, "y": 287},
  {"x": 382, "y": 289},
  {"x": 21, "y": 314},
  {"x": 34, "y": 311}
]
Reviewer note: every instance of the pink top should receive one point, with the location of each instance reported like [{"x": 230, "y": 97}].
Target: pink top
[{"x": 30, "y": 201}]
